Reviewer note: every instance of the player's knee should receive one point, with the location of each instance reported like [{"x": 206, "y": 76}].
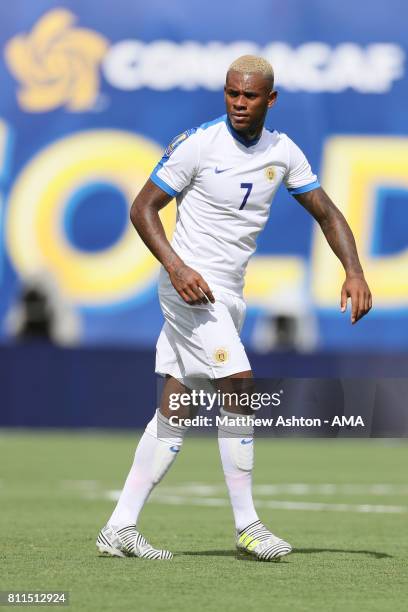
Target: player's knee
[
  {"x": 240, "y": 386},
  {"x": 162, "y": 428}
]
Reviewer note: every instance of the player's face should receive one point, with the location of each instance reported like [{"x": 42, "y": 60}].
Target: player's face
[{"x": 248, "y": 97}]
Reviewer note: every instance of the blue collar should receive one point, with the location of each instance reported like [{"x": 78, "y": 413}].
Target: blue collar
[{"x": 237, "y": 136}]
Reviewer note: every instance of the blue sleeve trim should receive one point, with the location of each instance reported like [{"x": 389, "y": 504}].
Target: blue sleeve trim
[
  {"x": 305, "y": 188},
  {"x": 162, "y": 184}
]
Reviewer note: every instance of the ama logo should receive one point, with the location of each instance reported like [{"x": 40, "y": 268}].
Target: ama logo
[{"x": 56, "y": 64}]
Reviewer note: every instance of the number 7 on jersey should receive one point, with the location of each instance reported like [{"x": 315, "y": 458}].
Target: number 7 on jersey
[{"x": 248, "y": 187}]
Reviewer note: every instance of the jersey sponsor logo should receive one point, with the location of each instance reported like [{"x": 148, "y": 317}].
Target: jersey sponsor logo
[
  {"x": 57, "y": 64},
  {"x": 270, "y": 173},
  {"x": 218, "y": 170},
  {"x": 221, "y": 355}
]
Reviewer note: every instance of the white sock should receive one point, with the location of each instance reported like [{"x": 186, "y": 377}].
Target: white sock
[
  {"x": 237, "y": 463},
  {"x": 157, "y": 449}
]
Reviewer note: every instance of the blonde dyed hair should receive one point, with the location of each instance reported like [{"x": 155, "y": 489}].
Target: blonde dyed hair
[{"x": 251, "y": 64}]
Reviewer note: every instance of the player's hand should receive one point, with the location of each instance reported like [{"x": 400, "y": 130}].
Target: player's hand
[
  {"x": 356, "y": 288},
  {"x": 191, "y": 286}
]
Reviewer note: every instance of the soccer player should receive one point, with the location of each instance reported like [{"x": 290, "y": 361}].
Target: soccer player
[{"x": 224, "y": 175}]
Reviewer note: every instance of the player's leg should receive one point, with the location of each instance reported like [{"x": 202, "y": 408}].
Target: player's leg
[
  {"x": 157, "y": 449},
  {"x": 236, "y": 444},
  {"x": 155, "y": 453}
]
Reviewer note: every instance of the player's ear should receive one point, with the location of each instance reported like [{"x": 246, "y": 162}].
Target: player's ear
[{"x": 272, "y": 98}]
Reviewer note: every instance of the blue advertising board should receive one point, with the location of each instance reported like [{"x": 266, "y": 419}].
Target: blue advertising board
[{"x": 93, "y": 92}]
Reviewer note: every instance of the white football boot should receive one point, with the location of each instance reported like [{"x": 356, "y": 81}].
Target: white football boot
[
  {"x": 257, "y": 541},
  {"x": 128, "y": 542}
]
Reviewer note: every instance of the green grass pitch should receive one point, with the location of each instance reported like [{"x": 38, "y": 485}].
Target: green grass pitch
[{"x": 350, "y": 553}]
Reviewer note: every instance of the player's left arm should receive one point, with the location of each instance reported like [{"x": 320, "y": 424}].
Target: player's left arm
[{"x": 341, "y": 240}]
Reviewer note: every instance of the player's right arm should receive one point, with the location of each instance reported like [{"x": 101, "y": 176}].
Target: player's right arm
[{"x": 144, "y": 215}]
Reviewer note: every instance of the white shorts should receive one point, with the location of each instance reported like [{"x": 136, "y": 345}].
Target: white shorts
[{"x": 201, "y": 341}]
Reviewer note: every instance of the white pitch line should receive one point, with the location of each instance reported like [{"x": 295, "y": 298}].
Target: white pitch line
[
  {"x": 318, "y": 507},
  {"x": 184, "y": 500},
  {"x": 283, "y": 505},
  {"x": 301, "y": 488},
  {"x": 194, "y": 488},
  {"x": 209, "y": 495},
  {"x": 331, "y": 489}
]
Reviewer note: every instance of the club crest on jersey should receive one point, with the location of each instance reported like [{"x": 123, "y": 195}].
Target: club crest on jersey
[
  {"x": 177, "y": 140},
  {"x": 221, "y": 355},
  {"x": 270, "y": 173}
]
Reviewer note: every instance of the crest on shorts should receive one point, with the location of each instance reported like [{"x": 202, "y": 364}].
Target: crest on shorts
[
  {"x": 270, "y": 173},
  {"x": 221, "y": 355}
]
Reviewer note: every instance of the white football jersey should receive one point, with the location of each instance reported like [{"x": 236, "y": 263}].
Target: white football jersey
[{"x": 224, "y": 187}]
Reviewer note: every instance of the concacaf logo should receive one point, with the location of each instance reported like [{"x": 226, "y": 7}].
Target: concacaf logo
[{"x": 57, "y": 64}]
